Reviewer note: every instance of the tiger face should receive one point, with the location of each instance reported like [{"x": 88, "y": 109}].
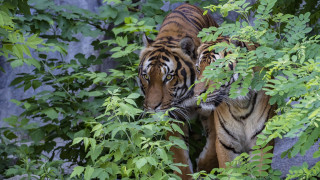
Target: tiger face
[
  {"x": 205, "y": 58},
  {"x": 166, "y": 73}
]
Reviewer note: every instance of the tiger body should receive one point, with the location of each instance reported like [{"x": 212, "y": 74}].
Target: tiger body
[
  {"x": 233, "y": 124},
  {"x": 167, "y": 70}
]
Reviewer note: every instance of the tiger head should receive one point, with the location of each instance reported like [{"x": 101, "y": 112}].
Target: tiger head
[
  {"x": 166, "y": 72},
  {"x": 205, "y": 58}
]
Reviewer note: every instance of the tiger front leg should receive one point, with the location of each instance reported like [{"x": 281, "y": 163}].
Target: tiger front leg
[
  {"x": 224, "y": 154},
  {"x": 208, "y": 157},
  {"x": 181, "y": 155}
]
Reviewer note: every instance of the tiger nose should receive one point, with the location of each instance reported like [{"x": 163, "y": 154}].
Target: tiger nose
[{"x": 153, "y": 106}]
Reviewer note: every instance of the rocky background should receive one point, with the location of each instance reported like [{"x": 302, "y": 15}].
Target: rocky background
[{"x": 8, "y": 108}]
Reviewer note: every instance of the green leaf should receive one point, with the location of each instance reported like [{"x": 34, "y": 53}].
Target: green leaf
[
  {"x": 177, "y": 128},
  {"x": 263, "y": 173},
  {"x": 117, "y": 155},
  {"x": 266, "y": 149},
  {"x": 16, "y": 63},
  {"x": 130, "y": 101},
  {"x": 179, "y": 142},
  {"x": 141, "y": 162},
  {"x": 33, "y": 62},
  {"x": 36, "y": 84},
  {"x": 77, "y": 171},
  {"x": 162, "y": 154},
  {"x": 27, "y": 105},
  {"x": 109, "y": 12},
  {"x": 51, "y": 113},
  {"x": 175, "y": 168},
  {"x": 25, "y": 49},
  {"x": 134, "y": 96},
  {"x": 17, "y": 81},
  {"x": 95, "y": 93},
  {"x": 316, "y": 154},
  {"x": 18, "y": 50},
  {"x": 12, "y": 120},
  {"x": 120, "y": 16},
  {"x": 33, "y": 41},
  {"x": 86, "y": 143},
  {"x": 88, "y": 173},
  {"x": 5, "y": 19},
  {"x": 96, "y": 127},
  {"x": 16, "y": 101},
  {"x": 268, "y": 155},
  {"x": 9, "y": 134},
  {"x": 256, "y": 157},
  {"x": 27, "y": 86},
  {"x": 77, "y": 140},
  {"x": 37, "y": 135},
  {"x": 151, "y": 161}
]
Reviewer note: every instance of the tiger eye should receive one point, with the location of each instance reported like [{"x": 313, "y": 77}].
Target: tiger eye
[
  {"x": 146, "y": 76},
  {"x": 169, "y": 77}
]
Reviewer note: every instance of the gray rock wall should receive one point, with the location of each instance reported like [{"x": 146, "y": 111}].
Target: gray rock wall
[{"x": 7, "y": 93}]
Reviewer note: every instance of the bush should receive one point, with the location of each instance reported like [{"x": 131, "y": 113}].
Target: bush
[{"x": 290, "y": 73}]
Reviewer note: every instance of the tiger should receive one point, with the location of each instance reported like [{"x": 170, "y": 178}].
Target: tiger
[
  {"x": 233, "y": 124},
  {"x": 167, "y": 70}
]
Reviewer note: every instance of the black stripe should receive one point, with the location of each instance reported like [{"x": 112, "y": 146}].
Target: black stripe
[
  {"x": 153, "y": 58},
  {"x": 265, "y": 120},
  {"x": 192, "y": 10},
  {"x": 233, "y": 116},
  {"x": 192, "y": 72},
  {"x": 152, "y": 53},
  {"x": 229, "y": 148},
  {"x": 254, "y": 103},
  {"x": 205, "y": 52},
  {"x": 193, "y": 22},
  {"x": 246, "y": 115},
  {"x": 178, "y": 63},
  {"x": 258, "y": 132},
  {"x": 223, "y": 126},
  {"x": 184, "y": 75},
  {"x": 141, "y": 87},
  {"x": 165, "y": 58},
  {"x": 144, "y": 57},
  {"x": 170, "y": 22}
]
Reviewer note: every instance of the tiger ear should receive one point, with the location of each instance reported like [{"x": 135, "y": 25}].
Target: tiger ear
[
  {"x": 146, "y": 41},
  {"x": 187, "y": 46}
]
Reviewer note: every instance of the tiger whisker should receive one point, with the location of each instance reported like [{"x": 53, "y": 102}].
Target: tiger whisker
[
  {"x": 142, "y": 115},
  {"x": 184, "y": 115},
  {"x": 171, "y": 113}
]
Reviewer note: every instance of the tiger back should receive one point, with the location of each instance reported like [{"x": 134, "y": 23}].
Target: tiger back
[
  {"x": 236, "y": 122},
  {"x": 167, "y": 70}
]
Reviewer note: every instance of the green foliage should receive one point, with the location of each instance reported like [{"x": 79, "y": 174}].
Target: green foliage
[
  {"x": 244, "y": 167},
  {"x": 289, "y": 74},
  {"x": 294, "y": 7},
  {"x": 15, "y": 46},
  {"x": 89, "y": 121},
  {"x": 128, "y": 149}
]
